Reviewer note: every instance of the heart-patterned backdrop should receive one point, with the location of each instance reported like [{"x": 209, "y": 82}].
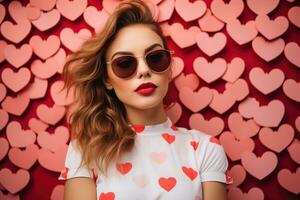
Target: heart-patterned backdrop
[{"x": 235, "y": 76}]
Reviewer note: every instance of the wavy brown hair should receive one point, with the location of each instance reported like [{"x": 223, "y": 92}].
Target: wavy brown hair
[{"x": 98, "y": 119}]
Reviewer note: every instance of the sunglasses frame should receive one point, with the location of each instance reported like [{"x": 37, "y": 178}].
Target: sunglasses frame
[{"x": 144, "y": 57}]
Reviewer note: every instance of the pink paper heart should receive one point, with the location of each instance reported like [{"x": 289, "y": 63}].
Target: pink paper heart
[
  {"x": 57, "y": 192},
  {"x": 214, "y": 126},
  {"x": 291, "y": 52},
  {"x": 32, "y": 12},
  {"x": 38, "y": 88},
  {"x": 2, "y": 13},
  {"x": 44, "y": 70},
  {"x": 15, "y": 32},
  {"x": 183, "y": 37},
  {"x": 275, "y": 108},
  {"x": 297, "y": 123},
  {"x": 44, "y": 48},
  {"x": 238, "y": 89},
  {"x": 292, "y": 89},
  {"x": 211, "y": 45},
  {"x": 248, "y": 107},
  {"x": 293, "y": 15},
  {"x": 47, "y": 20},
  {"x": 53, "y": 161},
  {"x": 3, "y": 118},
  {"x": 266, "y": 82},
  {"x": 190, "y": 80},
  {"x": 26, "y": 158},
  {"x": 262, "y": 7},
  {"x": 190, "y": 11},
  {"x": 242, "y": 34},
  {"x": 293, "y": 150},
  {"x": 71, "y": 9},
  {"x": 238, "y": 174},
  {"x": 60, "y": 97},
  {"x": 95, "y": 18},
  {"x": 14, "y": 182},
  {"x": 222, "y": 102},
  {"x": 60, "y": 58},
  {"x": 110, "y": 5},
  {"x": 16, "y": 81},
  {"x": 227, "y": 11},
  {"x": 277, "y": 140},
  {"x": 3, "y": 91},
  {"x": 43, "y": 5},
  {"x": 17, "y": 136},
  {"x": 237, "y": 194},
  {"x": 17, "y": 11},
  {"x": 166, "y": 9},
  {"x": 241, "y": 128},
  {"x": 177, "y": 66},
  {"x": 16, "y": 105},
  {"x": 17, "y": 56},
  {"x": 271, "y": 29},
  {"x": 209, "y": 23},
  {"x": 195, "y": 101},
  {"x": 50, "y": 115},
  {"x": 289, "y": 180},
  {"x": 267, "y": 50},
  {"x": 37, "y": 125},
  {"x": 233, "y": 147},
  {"x": 54, "y": 140},
  {"x": 4, "y": 147},
  {"x": 157, "y": 157},
  {"x": 174, "y": 112},
  {"x": 234, "y": 70},
  {"x": 3, "y": 45},
  {"x": 73, "y": 41},
  {"x": 259, "y": 167},
  {"x": 209, "y": 71}
]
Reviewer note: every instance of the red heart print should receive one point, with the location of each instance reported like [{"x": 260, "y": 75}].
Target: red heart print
[
  {"x": 169, "y": 138},
  {"x": 107, "y": 196},
  {"x": 192, "y": 174},
  {"x": 138, "y": 128},
  {"x": 124, "y": 168},
  {"x": 167, "y": 183},
  {"x": 195, "y": 144}
]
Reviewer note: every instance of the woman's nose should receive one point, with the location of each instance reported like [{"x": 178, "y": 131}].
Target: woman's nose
[{"x": 142, "y": 68}]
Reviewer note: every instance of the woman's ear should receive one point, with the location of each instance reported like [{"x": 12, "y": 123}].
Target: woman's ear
[{"x": 108, "y": 85}]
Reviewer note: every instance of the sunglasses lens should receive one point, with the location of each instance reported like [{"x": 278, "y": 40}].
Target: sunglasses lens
[
  {"x": 159, "y": 60},
  {"x": 124, "y": 66}
]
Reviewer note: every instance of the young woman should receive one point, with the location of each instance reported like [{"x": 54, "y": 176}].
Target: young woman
[{"x": 123, "y": 145}]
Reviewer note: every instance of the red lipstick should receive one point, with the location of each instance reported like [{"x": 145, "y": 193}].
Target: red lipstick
[{"x": 146, "y": 88}]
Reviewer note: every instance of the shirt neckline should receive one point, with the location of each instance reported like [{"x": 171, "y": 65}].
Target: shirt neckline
[{"x": 152, "y": 129}]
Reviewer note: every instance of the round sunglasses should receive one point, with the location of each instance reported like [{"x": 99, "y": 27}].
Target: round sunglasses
[{"x": 157, "y": 60}]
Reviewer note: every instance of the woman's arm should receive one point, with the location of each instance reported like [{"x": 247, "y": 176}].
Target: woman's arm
[
  {"x": 214, "y": 190},
  {"x": 80, "y": 188}
]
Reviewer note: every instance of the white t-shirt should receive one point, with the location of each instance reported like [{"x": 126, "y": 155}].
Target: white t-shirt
[{"x": 167, "y": 162}]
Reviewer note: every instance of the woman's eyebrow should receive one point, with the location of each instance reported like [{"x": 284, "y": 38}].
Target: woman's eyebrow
[{"x": 130, "y": 53}]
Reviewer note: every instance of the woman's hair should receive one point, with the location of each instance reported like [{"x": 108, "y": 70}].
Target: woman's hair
[{"x": 98, "y": 119}]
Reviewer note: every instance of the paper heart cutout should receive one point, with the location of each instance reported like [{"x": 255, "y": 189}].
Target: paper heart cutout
[
  {"x": 32, "y": 12},
  {"x": 73, "y": 41},
  {"x": 71, "y": 9},
  {"x": 291, "y": 52},
  {"x": 238, "y": 174},
  {"x": 237, "y": 194},
  {"x": 16, "y": 105},
  {"x": 174, "y": 112},
  {"x": 293, "y": 150},
  {"x": 277, "y": 140},
  {"x": 227, "y": 11},
  {"x": 289, "y": 180},
  {"x": 209, "y": 71},
  {"x": 110, "y": 5},
  {"x": 262, "y": 7},
  {"x": 44, "y": 48},
  {"x": 3, "y": 118},
  {"x": 190, "y": 80},
  {"x": 37, "y": 126},
  {"x": 53, "y": 161},
  {"x": 177, "y": 66},
  {"x": 14, "y": 182},
  {"x": 183, "y": 37},
  {"x": 209, "y": 23},
  {"x": 17, "y": 56},
  {"x": 38, "y": 88},
  {"x": 4, "y": 147},
  {"x": 234, "y": 70},
  {"x": 166, "y": 9},
  {"x": 214, "y": 126},
  {"x": 275, "y": 108},
  {"x": 60, "y": 97},
  {"x": 17, "y": 11},
  {"x": 242, "y": 34},
  {"x": 95, "y": 18},
  {"x": 293, "y": 16},
  {"x": 238, "y": 89},
  {"x": 248, "y": 107},
  {"x": 43, "y": 5},
  {"x": 140, "y": 181},
  {"x": 195, "y": 101},
  {"x": 241, "y": 128},
  {"x": 271, "y": 29},
  {"x": 24, "y": 158},
  {"x": 3, "y": 91},
  {"x": 157, "y": 157},
  {"x": 211, "y": 45},
  {"x": 2, "y": 13},
  {"x": 17, "y": 136},
  {"x": 47, "y": 20},
  {"x": 222, "y": 102},
  {"x": 291, "y": 89},
  {"x": 259, "y": 167},
  {"x": 15, "y": 32},
  {"x": 54, "y": 140},
  {"x": 57, "y": 192},
  {"x": 233, "y": 147},
  {"x": 16, "y": 81},
  {"x": 190, "y": 11},
  {"x": 297, "y": 123},
  {"x": 266, "y": 82},
  {"x": 44, "y": 70},
  {"x": 267, "y": 50},
  {"x": 50, "y": 115},
  {"x": 3, "y": 45},
  {"x": 60, "y": 58}
]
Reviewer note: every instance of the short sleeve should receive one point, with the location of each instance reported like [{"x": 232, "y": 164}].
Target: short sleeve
[
  {"x": 213, "y": 161},
  {"x": 72, "y": 162}
]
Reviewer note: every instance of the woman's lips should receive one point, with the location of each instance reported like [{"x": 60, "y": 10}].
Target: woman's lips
[{"x": 145, "y": 91}]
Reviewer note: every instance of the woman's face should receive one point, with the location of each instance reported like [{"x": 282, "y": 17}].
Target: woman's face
[{"x": 135, "y": 39}]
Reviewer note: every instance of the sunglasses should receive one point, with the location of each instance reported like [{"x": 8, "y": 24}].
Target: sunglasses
[{"x": 157, "y": 60}]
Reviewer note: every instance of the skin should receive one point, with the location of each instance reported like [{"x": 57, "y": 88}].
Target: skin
[{"x": 140, "y": 109}]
